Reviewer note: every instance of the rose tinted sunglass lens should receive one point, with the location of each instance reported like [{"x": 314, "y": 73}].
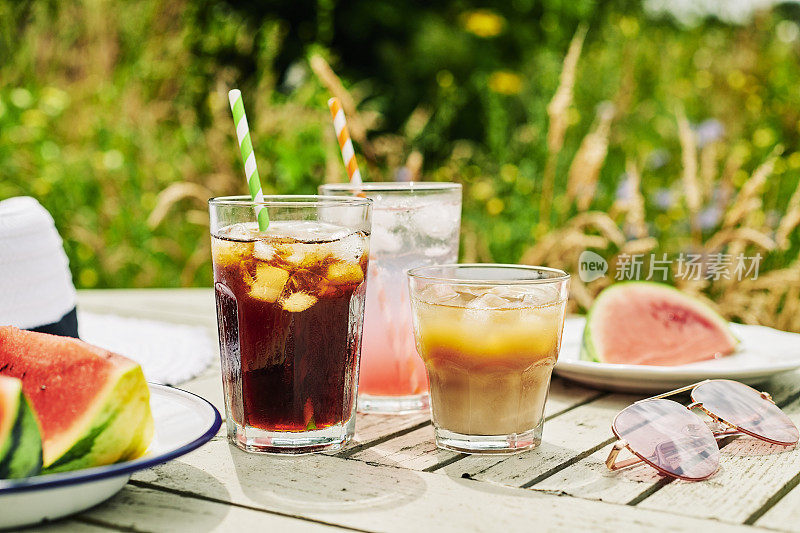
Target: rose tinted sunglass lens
[
  {"x": 669, "y": 437},
  {"x": 744, "y": 407}
]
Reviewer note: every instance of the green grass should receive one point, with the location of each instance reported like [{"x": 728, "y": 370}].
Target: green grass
[{"x": 104, "y": 106}]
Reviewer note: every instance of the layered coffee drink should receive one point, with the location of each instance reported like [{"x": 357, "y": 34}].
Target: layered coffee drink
[{"x": 489, "y": 351}]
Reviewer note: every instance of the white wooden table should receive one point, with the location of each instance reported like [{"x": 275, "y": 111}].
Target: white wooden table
[{"x": 394, "y": 478}]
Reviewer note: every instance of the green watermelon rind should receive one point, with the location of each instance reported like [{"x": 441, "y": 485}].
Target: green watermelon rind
[
  {"x": 121, "y": 430},
  {"x": 588, "y": 349},
  {"x": 111, "y": 425},
  {"x": 21, "y": 450}
]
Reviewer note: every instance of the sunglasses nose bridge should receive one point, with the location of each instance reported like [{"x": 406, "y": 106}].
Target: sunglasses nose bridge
[
  {"x": 715, "y": 418},
  {"x": 723, "y": 426}
]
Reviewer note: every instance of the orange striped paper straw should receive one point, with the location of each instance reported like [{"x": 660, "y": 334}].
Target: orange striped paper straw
[{"x": 345, "y": 144}]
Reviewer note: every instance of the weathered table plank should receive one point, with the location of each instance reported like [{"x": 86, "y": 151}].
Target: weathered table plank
[
  {"x": 785, "y": 511},
  {"x": 359, "y": 495},
  {"x": 590, "y": 479},
  {"x": 567, "y": 439},
  {"x": 565, "y": 395},
  {"x": 415, "y": 450},
  {"x": 144, "y": 509},
  {"x": 374, "y": 427}
]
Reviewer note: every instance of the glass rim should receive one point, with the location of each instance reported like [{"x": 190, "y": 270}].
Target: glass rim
[
  {"x": 419, "y": 273},
  {"x": 290, "y": 200},
  {"x": 394, "y": 186}
]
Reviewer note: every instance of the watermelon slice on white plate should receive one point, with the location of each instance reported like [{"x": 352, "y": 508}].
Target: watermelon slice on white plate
[{"x": 648, "y": 337}]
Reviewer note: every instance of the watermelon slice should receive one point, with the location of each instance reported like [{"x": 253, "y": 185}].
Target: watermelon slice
[
  {"x": 93, "y": 405},
  {"x": 20, "y": 442},
  {"x": 645, "y": 323}
]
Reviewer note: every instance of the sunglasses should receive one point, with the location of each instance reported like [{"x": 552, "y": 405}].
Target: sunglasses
[{"x": 678, "y": 443}]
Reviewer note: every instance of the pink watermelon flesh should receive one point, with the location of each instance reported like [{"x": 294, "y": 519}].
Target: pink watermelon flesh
[
  {"x": 68, "y": 382},
  {"x": 652, "y": 324},
  {"x": 50, "y": 367}
]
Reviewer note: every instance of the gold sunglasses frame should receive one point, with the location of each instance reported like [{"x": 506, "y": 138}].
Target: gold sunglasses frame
[{"x": 622, "y": 444}]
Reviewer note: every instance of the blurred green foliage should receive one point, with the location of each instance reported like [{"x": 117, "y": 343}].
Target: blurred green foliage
[{"x": 106, "y": 105}]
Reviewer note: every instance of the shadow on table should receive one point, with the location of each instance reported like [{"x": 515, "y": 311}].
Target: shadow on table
[
  {"x": 140, "y": 506},
  {"x": 533, "y": 469},
  {"x": 322, "y": 483}
]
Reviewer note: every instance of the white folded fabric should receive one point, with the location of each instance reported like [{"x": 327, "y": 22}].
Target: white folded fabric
[
  {"x": 169, "y": 353},
  {"x": 35, "y": 281}
]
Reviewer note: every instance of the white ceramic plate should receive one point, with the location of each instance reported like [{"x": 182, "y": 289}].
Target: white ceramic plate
[
  {"x": 183, "y": 422},
  {"x": 762, "y": 353}
]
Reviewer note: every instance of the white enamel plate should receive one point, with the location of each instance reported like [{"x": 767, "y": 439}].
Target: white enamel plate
[
  {"x": 183, "y": 422},
  {"x": 762, "y": 353}
]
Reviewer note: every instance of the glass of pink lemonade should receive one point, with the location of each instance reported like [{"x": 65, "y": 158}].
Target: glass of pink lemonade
[{"x": 413, "y": 224}]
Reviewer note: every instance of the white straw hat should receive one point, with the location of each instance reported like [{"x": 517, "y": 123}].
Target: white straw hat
[
  {"x": 35, "y": 282},
  {"x": 36, "y": 292}
]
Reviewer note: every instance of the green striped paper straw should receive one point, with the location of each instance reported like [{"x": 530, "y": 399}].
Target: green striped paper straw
[{"x": 249, "y": 158}]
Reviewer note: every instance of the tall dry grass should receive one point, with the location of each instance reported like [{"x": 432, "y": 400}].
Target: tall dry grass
[
  {"x": 559, "y": 122},
  {"x": 707, "y": 178},
  {"x": 772, "y": 298}
]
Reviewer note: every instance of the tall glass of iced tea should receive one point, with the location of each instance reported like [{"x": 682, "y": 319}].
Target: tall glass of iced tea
[
  {"x": 290, "y": 309},
  {"x": 489, "y": 336},
  {"x": 413, "y": 224}
]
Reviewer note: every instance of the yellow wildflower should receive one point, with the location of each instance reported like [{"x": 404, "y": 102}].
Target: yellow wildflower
[
  {"x": 753, "y": 103},
  {"x": 736, "y": 79},
  {"x": 34, "y": 118},
  {"x": 482, "y": 190},
  {"x": 505, "y": 82},
  {"x": 483, "y": 23},
  {"x": 444, "y": 78},
  {"x": 629, "y": 26},
  {"x": 763, "y": 137},
  {"x": 495, "y": 206},
  {"x": 703, "y": 80}
]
